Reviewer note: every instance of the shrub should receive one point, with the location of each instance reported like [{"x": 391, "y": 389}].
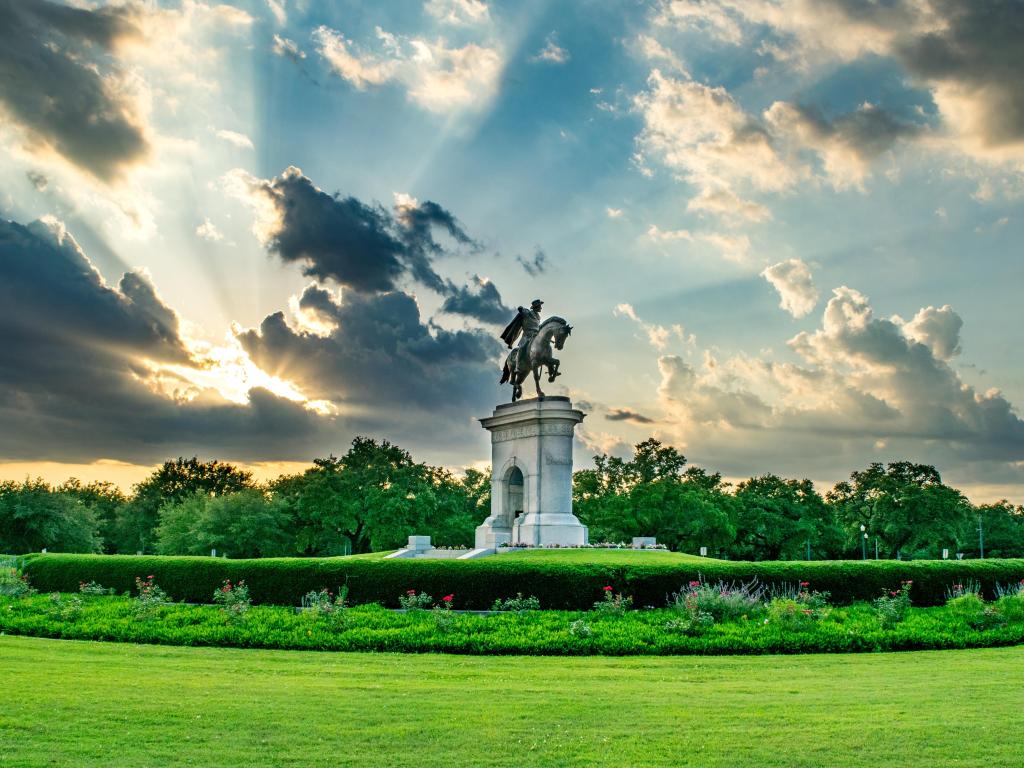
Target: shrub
[
  {"x": 613, "y": 603},
  {"x": 13, "y": 583},
  {"x": 65, "y": 607},
  {"x": 443, "y": 613},
  {"x": 790, "y": 614},
  {"x": 892, "y": 608},
  {"x": 968, "y": 587},
  {"x": 719, "y": 601},
  {"x": 694, "y": 624},
  {"x": 150, "y": 597},
  {"x": 233, "y": 600},
  {"x": 1011, "y": 590},
  {"x": 801, "y": 593},
  {"x": 1012, "y": 606},
  {"x": 580, "y": 628},
  {"x": 323, "y": 604},
  {"x": 970, "y": 608},
  {"x": 478, "y": 583},
  {"x": 413, "y": 600},
  {"x": 517, "y": 603},
  {"x": 92, "y": 589}
]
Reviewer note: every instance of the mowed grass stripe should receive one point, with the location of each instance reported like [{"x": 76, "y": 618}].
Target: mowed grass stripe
[{"x": 90, "y": 704}]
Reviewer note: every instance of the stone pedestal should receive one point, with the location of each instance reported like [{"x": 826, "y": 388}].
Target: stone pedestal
[{"x": 531, "y": 475}]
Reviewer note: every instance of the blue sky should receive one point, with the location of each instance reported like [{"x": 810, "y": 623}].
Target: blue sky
[{"x": 787, "y": 233}]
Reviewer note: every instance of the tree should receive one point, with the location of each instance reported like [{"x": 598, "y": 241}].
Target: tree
[
  {"x": 105, "y": 500},
  {"x": 243, "y": 524},
  {"x": 373, "y": 498},
  {"x": 652, "y": 494},
  {"x": 33, "y": 517},
  {"x": 905, "y": 505},
  {"x": 1002, "y": 525},
  {"x": 776, "y": 518},
  {"x": 172, "y": 482}
]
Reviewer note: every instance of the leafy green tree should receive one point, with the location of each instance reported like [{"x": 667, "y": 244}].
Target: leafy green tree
[
  {"x": 373, "y": 498},
  {"x": 476, "y": 486},
  {"x": 776, "y": 519},
  {"x": 1003, "y": 528},
  {"x": 905, "y": 505},
  {"x": 172, "y": 482},
  {"x": 653, "y": 494},
  {"x": 33, "y": 517},
  {"x": 105, "y": 500},
  {"x": 243, "y": 524}
]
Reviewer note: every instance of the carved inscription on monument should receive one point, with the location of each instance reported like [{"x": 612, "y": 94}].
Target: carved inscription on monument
[
  {"x": 532, "y": 430},
  {"x": 550, "y": 458}
]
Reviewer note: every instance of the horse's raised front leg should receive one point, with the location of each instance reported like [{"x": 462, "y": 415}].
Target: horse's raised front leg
[
  {"x": 553, "y": 369},
  {"x": 536, "y": 380}
]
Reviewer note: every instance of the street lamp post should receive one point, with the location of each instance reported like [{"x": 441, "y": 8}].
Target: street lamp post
[
  {"x": 863, "y": 543},
  {"x": 876, "y": 547}
]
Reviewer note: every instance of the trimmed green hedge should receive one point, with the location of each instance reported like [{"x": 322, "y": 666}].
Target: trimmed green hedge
[{"x": 477, "y": 583}]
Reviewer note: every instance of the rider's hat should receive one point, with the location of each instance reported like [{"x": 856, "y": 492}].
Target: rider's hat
[{"x": 536, "y": 304}]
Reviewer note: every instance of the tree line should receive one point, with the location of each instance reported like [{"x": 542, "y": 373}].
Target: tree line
[{"x": 375, "y": 496}]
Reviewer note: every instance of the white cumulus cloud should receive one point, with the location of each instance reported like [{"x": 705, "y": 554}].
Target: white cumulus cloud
[{"x": 792, "y": 279}]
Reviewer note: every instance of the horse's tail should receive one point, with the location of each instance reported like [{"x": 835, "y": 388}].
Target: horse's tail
[{"x": 505, "y": 373}]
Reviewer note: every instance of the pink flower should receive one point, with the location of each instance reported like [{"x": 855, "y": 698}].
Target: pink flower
[
  {"x": 448, "y": 598},
  {"x": 805, "y": 583},
  {"x": 410, "y": 591},
  {"x": 694, "y": 583},
  {"x": 607, "y": 589}
]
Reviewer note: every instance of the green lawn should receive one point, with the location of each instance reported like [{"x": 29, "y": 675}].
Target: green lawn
[
  {"x": 604, "y": 556},
  {"x": 89, "y": 704}
]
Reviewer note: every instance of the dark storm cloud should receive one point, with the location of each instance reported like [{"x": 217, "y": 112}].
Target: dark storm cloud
[
  {"x": 50, "y": 290},
  {"x": 625, "y": 414},
  {"x": 73, "y": 382},
  {"x": 418, "y": 225},
  {"x": 538, "y": 265},
  {"x": 52, "y": 83},
  {"x": 379, "y": 355},
  {"x": 365, "y": 247},
  {"x": 979, "y": 48},
  {"x": 484, "y": 303},
  {"x": 868, "y": 131}
]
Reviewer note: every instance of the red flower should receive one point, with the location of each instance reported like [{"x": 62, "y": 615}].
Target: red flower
[
  {"x": 410, "y": 591},
  {"x": 607, "y": 589},
  {"x": 149, "y": 577},
  {"x": 448, "y": 598},
  {"x": 805, "y": 583},
  {"x": 694, "y": 583}
]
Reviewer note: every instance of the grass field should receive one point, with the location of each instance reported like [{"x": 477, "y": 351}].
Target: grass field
[{"x": 89, "y": 704}]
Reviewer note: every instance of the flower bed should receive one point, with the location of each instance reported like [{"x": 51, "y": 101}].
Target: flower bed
[{"x": 705, "y": 618}]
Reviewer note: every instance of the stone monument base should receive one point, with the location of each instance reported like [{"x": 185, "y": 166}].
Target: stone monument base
[{"x": 531, "y": 475}]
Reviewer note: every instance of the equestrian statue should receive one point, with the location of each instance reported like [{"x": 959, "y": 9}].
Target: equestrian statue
[{"x": 533, "y": 351}]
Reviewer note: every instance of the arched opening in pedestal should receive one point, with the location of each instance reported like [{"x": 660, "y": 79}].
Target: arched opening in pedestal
[{"x": 513, "y": 498}]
